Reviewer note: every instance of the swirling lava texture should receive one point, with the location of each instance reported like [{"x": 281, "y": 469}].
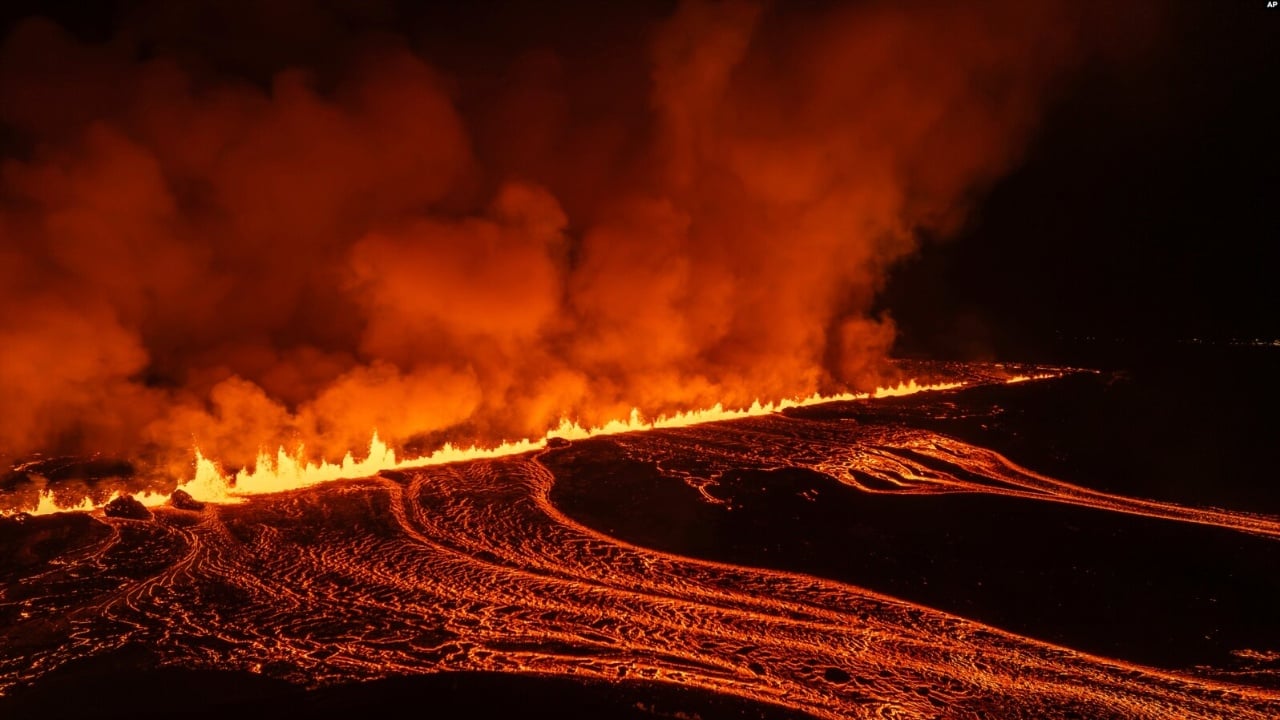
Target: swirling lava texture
[{"x": 472, "y": 567}]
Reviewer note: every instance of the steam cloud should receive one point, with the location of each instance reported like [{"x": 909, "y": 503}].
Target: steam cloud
[{"x": 191, "y": 257}]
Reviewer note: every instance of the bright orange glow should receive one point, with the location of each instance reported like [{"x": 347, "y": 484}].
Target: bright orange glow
[
  {"x": 1024, "y": 378},
  {"x": 48, "y": 504},
  {"x": 241, "y": 266},
  {"x": 284, "y": 471}
]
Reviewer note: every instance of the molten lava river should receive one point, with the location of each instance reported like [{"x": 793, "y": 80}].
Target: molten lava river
[{"x": 854, "y": 559}]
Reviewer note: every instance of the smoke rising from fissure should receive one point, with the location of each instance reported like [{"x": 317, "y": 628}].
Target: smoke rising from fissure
[{"x": 192, "y": 257}]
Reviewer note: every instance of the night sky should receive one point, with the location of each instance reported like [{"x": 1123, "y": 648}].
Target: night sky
[{"x": 1145, "y": 209}]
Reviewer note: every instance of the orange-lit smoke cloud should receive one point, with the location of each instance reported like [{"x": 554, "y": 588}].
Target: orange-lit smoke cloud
[{"x": 188, "y": 257}]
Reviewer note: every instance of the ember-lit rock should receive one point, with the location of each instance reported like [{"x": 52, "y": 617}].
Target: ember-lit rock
[
  {"x": 182, "y": 500},
  {"x": 126, "y": 507}
]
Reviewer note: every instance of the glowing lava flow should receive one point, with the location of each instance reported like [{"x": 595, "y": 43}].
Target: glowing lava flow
[
  {"x": 478, "y": 566},
  {"x": 48, "y": 505},
  {"x": 283, "y": 471},
  {"x": 472, "y": 567}
]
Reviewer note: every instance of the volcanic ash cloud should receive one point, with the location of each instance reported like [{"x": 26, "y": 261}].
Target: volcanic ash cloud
[{"x": 196, "y": 253}]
